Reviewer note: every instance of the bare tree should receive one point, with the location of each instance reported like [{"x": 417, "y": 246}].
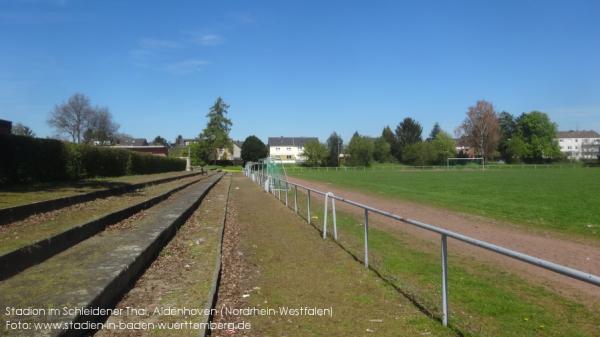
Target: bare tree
[
  {"x": 481, "y": 129},
  {"x": 22, "y": 130},
  {"x": 101, "y": 128},
  {"x": 72, "y": 117}
]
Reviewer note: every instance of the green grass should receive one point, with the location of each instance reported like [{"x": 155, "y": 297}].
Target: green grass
[
  {"x": 562, "y": 200},
  {"x": 483, "y": 300}
]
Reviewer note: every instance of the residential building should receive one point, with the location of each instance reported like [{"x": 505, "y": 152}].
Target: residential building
[
  {"x": 224, "y": 153},
  {"x": 579, "y": 145},
  {"x": 288, "y": 149}
]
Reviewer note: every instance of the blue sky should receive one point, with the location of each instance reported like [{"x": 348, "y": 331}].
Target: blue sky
[{"x": 299, "y": 68}]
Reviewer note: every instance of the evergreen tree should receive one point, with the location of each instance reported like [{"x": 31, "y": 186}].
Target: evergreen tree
[{"x": 216, "y": 133}]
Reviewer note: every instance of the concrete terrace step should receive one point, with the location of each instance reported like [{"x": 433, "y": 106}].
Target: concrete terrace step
[
  {"x": 37, "y": 251},
  {"x": 96, "y": 272},
  {"x": 14, "y": 213}
]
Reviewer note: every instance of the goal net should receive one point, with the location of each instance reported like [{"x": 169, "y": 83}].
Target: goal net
[
  {"x": 276, "y": 175},
  {"x": 475, "y": 163}
]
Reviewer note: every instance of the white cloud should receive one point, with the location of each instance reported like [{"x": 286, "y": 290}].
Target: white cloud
[
  {"x": 208, "y": 39},
  {"x": 185, "y": 67}
]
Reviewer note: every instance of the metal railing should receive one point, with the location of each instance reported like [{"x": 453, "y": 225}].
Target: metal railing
[{"x": 257, "y": 175}]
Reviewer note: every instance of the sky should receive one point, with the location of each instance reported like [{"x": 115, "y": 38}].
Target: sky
[{"x": 299, "y": 68}]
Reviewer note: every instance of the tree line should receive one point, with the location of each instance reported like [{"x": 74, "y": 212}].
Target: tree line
[{"x": 529, "y": 137}]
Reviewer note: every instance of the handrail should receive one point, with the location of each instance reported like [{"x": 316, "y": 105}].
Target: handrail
[{"x": 444, "y": 233}]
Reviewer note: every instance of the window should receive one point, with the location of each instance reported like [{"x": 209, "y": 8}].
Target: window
[
  {"x": 277, "y": 149},
  {"x": 289, "y": 149},
  {"x": 560, "y": 140},
  {"x": 576, "y": 140},
  {"x": 568, "y": 147},
  {"x": 289, "y": 157}
]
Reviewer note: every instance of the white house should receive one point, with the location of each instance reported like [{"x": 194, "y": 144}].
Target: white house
[
  {"x": 579, "y": 144},
  {"x": 224, "y": 153},
  {"x": 288, "y": 149}
]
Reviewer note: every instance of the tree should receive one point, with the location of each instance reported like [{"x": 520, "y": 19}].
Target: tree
[
  {"x": 537, "y": 132},
  {"x": 22, "y": 130},
  {"x": 507, "y": 129},
  {"x": 253, "y": 149},
  {"x": 442, "y": 148},
  {"x": 481, "y": 129},
  {"x": 200, "y": 153},
  {"x": 101, "y": 126},
  {"x": 179, "y": 140},
  {"x": 360, "y": 149},
  {"x": 435, "y": 131},
  {"x": 216, "y": 132},
  {"x": 315, "y": 153},
  {"x": 158, "y": 140},
  {"x": 407, "y": 132},
  {"x": 335, "y": 144},
  {"x": 418, "y": 154},
  {"x": 72, "y": 117},
  {"x": 381, "y": 150},
  {"x": 391, "y": 139}
]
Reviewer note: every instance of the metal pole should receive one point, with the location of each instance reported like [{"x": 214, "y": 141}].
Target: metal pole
[
  {"x": 325, "y": 216},
  {"x": 308, "y": 205},
  {"x": 296, "y": 199},
  {"x": 286, "y": 193},
  {"x": 334, "y": 219},
  {"x": 366, "y": 238},
  {"x": 444, "y": 281}
]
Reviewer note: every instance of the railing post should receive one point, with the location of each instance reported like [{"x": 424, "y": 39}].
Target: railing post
[
  {"x": 325, "y": 215},
  {"x": 366, "y": 238},
  {"x": 308, "y": 207},
  {"x": 286, "y": 193},
  {"x": 334, "y": 219},
  {"x": 296, "y": 199},
  {"x": 444, "y": 280}
]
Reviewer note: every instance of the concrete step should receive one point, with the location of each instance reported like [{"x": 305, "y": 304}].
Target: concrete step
[{"x": 94, "y": 273}]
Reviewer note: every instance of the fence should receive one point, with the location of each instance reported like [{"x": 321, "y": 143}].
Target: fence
[{"x": 257, "y": 173}]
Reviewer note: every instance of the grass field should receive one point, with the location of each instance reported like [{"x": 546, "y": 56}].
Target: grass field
[
  {"x": 563, "y": 200},
  {"x": 483, "y": 301}
]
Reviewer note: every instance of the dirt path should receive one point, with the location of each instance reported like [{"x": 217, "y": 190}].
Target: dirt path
[{"x": 578, "y": 255}]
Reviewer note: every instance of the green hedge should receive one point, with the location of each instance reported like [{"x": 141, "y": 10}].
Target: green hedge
[{"x": 27, "y": 160}]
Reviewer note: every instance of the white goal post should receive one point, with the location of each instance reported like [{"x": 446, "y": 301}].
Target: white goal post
[{"x": 481, "y": 159}]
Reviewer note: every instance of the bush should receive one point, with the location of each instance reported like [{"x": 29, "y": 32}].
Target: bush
[{"x": 27, "y": 160}]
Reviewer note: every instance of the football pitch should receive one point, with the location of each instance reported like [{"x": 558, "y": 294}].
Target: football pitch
[{"x": 563, "y": 200}]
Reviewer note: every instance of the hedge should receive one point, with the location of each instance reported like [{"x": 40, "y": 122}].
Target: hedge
[{"x": 26, "y": 160}]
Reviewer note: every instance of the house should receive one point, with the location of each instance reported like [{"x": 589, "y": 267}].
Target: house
[
  {"x": 288, "y": 149},
  {"x": 132, "y": 141},
  {"x": 5, "y": 127},
  {"x": 224, "y": 153},
  {"x": 578, "y": 145},
  {"x": 462, "y": 149}
]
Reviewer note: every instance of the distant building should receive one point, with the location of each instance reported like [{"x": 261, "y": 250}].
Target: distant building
[
  {"x": 577, "y": 145},
  {"x": 288, "y": 149},
  {"x": 463, "y": 150},
  {"x": 5, "y": 127},
  {"x": 131, "y": 142},
  {"x": 224, "y": 153}
]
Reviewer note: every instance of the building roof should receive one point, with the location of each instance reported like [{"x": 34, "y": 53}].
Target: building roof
[
  {"x": 287, "y": 141},
  {"x": 577, "y": 134},
  {"x": 132, "y": 141}
]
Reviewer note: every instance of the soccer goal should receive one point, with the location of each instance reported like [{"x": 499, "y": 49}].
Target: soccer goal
[
  {"x": 276, "y": 175},
  {"x": 465, "y": 163}
]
